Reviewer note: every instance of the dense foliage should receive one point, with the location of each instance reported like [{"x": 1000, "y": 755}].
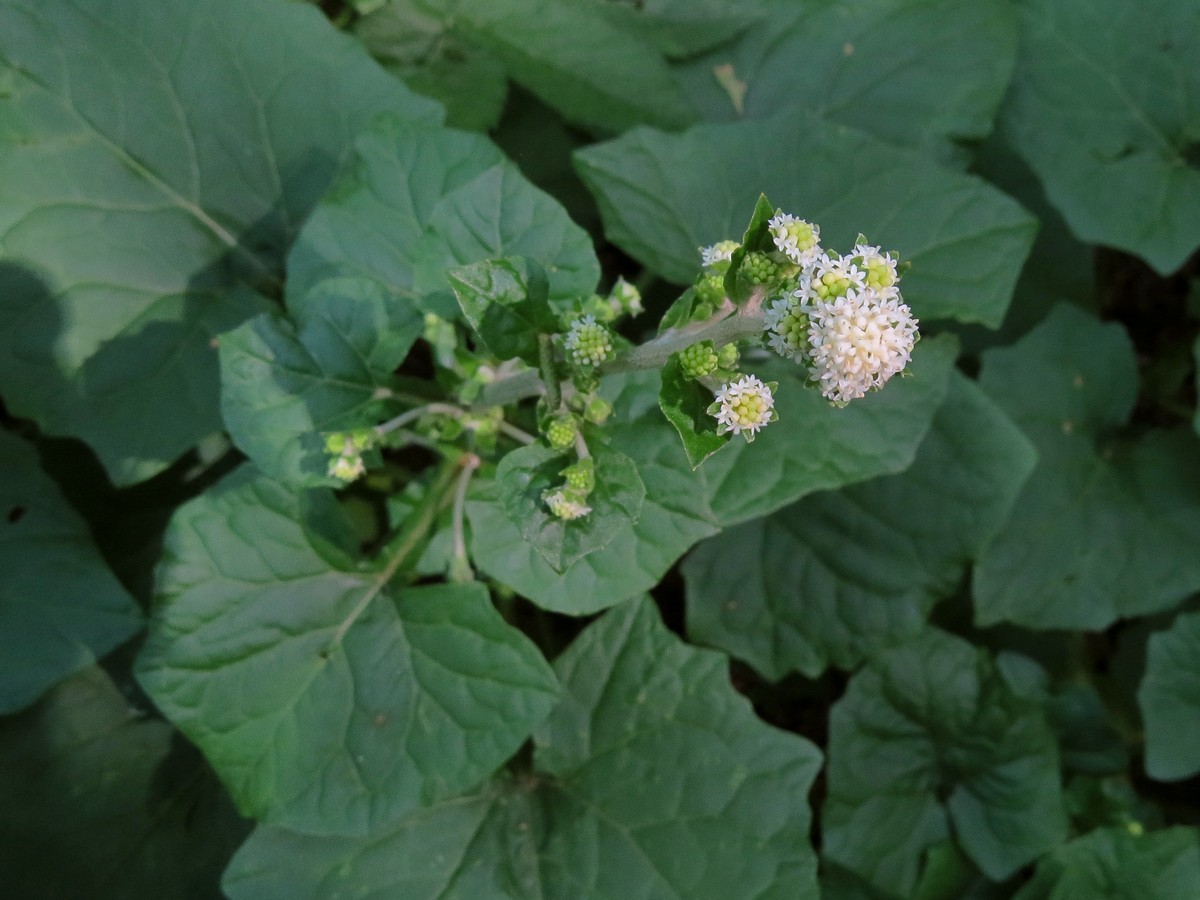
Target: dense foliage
[{"x": 436, "y": 460}]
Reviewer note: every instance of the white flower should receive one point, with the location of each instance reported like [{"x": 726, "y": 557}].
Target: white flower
[
  {"x": 587, "y": 342},
  {"x": 858, "y": 341},
  {"x": 347, "y": 467},
  {"x": 833, "y": 276},
  {"x": 743, "y": 405},
  {"x": 879, "y": 269},
  {"x": 786, "y": 321},
  {"x": 718, "y": 255},
  {"x": 798, "y": 240},
  {"x": 566, "y": 505}
]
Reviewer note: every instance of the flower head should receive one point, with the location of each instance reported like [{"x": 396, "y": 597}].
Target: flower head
[
  {"x": 744, "y": 405},
  {"x": 588, "y": 343},
  {"x": 879, "y": 269},
  {"x": 625, "y": 298},
  {"x": 858, "y": 341},
  {"x": 786, "y": 322},
  {"x": 566, "y": 504},
  {"x": 717, "y": 257},
  {"x": 798, "y": 240},
  {"x": 834, "y": 275}
]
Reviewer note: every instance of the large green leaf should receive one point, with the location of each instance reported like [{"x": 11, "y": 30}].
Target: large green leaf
[
  {"x": 575, "y": 59},
  {"x": 933, "y": 734},
  {"x": 420, "y": 45},
  {"x": 841, "y": 574},
  {"x": 1169, "y": 697},
  {"x": 683, "y": 28},
  {"x": 60, "y": 606},
  {"x": 1116, "y": 864},
  {"x": 663, "y": 196},
  {"x": 506, "y": 302},
  {"x": 1102, "y": 108},
  {"x": 150, "y": 162},
  {"x": 815, "y": 446},
  {"x": 675, "y": 515},
  {"x": 286, "y": 381},
  {"x": 908, "y": 71},
  {"x": 524, "y": 477},
  {"x": 324, "y": 700},
  {"x": 1106, "y": 526},
  {"x": 651, "y": 779},
  {"x": 102, "y": 800},
  {"x": 419, "y": 199}
]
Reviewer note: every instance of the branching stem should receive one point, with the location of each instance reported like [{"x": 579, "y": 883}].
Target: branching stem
[{"x": 728, "y": 325}]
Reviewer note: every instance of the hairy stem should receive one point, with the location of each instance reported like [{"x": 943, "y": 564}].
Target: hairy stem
[{"x": 723, "y": 328}]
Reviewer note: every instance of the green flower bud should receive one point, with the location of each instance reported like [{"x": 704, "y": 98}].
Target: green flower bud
[
  {"x": 710, "y": 290},
  {"x": 581, "y": 477},
  {"x": 728, "y": 356},
  {"x": 759, "y": 268},
  {"x": 560, "y": 433},
  {"x": 588, "y": 343},
  {"x": 597, "y": 410},
  {"x": 699, "y": 360}
]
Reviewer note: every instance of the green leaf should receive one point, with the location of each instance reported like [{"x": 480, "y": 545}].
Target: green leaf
[
  {"x": 1106, "y": 526},
  {"x": 1100, "y": 108},
  {"x": 100, "y": 798},
  {"x": 525, "y": 475},
  {"x": 757, "y": 237},
  {"x": 675, "y": 515},
  {"x": 287, "y": 381},
  {"x": 324, "y": 700},
  {"x": 151, "y": 165},
  {"x": 914, "y": 72},
  {"x": 571, "y": 56},
  {"x": 842, "y": 574},
  {"x": 1114, "y": 864},
  {"x": 1169, "y": 698},
  {"x": 60, "y": 607},
  {"x": 683, "y": 28},
  {"x": 652, "y": 778},
  {"x": 662, "y": 196},
  {"x": 684, "y": 403},
  {"x": 815, "y": 446},
  {"x": 928, "y": 735},
  {"x": 418, "y": 200},
  {"x": 505, "y": 302},
  {"x": 422, "y": 48}
]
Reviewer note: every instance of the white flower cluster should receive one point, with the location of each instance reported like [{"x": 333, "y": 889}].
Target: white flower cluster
[
  {"x": 846, "y": 322},
  {"x": 587, "y": 342},
  {"x": 798, "y": 240},
  {"x": 718, "y": 256},
  {"x": 744, "y": 405}
]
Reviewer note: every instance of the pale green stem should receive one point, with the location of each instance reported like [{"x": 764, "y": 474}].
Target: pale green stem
[
  {"x": 446, "y": 409},
  {"x": 724, "y": 328},
  {"x": 416, "y": 528},
  {"x": 581, "y": 447},
  {"x": 469, "y": 464},
  {"x": 412, "y": 415}
]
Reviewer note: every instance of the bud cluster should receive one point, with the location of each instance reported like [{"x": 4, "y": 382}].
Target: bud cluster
[
  {"x": 699, "y": 359},
  {"x": 588, "y": 343},
  {"x": 568, "y": 501},
  {"x": 346, "y": 449}
]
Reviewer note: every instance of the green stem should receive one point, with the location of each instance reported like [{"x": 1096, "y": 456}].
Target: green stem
[
  {"x": 416, "y": 528},
  {"x": 723, "y": 328},
  {"x": 470, "y": 463},
  {"x": 548, "y": 373}
]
